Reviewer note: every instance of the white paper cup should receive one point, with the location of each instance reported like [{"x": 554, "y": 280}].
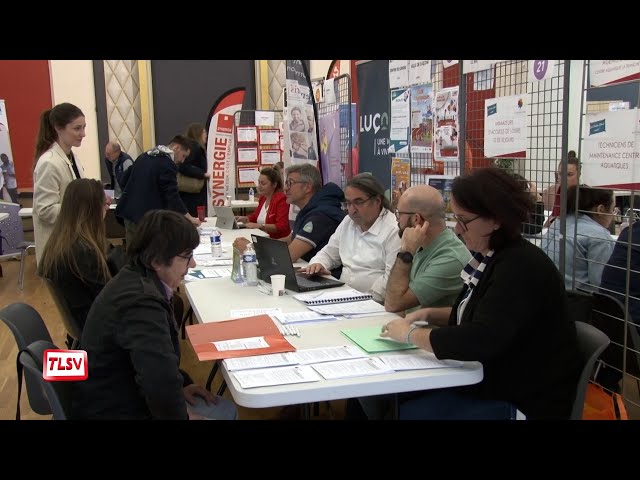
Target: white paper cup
[{"x": 277, "y": 285}]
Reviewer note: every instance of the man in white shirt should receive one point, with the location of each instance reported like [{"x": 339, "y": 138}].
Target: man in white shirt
[{"x": 365, "y": 243}]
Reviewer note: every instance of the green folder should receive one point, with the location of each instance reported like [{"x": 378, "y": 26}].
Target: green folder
[{"x": 369, "y": 339}]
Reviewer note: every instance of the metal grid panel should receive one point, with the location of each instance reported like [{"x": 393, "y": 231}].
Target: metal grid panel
[
  {"x": 342, "y": 104},
  {"x": 627, "y": 347}
]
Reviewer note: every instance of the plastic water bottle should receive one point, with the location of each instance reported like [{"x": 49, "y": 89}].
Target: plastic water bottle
[
  {"x": 250, "y": 264},
  {"x": 216, "y": 243},
  {"x": 251, "y": 195}
]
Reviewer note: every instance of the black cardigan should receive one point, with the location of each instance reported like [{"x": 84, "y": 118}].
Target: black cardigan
[{"x": 516, "y": 324}]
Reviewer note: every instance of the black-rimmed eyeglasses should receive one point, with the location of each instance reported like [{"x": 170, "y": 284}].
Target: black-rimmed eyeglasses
[
  {"x": 398, "y": 213},
  {"x": 358, "y": 202},
  {"x": 463, "y": 222}
]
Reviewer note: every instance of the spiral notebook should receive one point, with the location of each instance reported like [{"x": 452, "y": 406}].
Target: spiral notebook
[{"x": 325, "y": 298}]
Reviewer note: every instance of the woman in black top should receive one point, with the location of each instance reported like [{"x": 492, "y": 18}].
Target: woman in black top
[{"x": 511, "y": 315}]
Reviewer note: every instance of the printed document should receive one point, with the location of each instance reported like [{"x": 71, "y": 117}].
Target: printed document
[
  {"x": 260, "y": 361},
  {"x": 327, "y": 354},
  {"x": 275, "y": 376},
  {"x": 241, "y": 344},
  {"x": 417, "y": 361},
  {"x": 352, "y": 368}
]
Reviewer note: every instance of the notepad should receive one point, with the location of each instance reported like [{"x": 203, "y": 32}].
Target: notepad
[
  {"x": 368, "y": 338},
  {"x": 326, "y": 297}
]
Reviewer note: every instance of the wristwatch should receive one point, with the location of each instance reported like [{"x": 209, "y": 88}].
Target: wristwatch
[{"x": 406, "y": 257}]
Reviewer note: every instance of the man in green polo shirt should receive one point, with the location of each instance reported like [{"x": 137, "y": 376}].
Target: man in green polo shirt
[{"x": 427, "y": 270}]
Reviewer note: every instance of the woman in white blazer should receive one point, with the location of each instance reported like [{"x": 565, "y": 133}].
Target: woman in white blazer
[{"x": 55, "y": 166}]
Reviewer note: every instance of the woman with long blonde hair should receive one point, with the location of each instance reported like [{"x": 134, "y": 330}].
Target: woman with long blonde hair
[{"x": 75, "y": 256}]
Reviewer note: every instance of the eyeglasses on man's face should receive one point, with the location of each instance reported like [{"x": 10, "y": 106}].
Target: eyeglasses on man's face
[
  {"x": 398, "y": 213},
  {"x": 358, "y": 202},
  {"x": 463, "y": 223},
  {"x": 288, "y": 183}
]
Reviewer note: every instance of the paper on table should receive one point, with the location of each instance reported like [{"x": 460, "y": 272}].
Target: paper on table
[
  {"x": 351, "y": 308},
  {"x": 306, "y": 316},
  {"x": 275, "y": 376},
  {"x": 352, "y": 368},
  {"x": 260, "y": 361},
  {"x": 368, "y": 338},
  {"x": 250, "y": 312},
  {"x": 248, "y": 343},
  {"x": 327, "y": 354},
  {"x": 417, "y": 361},
  {"x": 203, "y": 335}
]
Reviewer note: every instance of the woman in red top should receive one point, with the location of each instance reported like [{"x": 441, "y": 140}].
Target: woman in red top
[{"x": 272, "y": 214}]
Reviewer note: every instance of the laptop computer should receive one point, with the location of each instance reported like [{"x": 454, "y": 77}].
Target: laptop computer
[
  {"x": 226, "y": 219},
  {"x": 273, "y": 258}
]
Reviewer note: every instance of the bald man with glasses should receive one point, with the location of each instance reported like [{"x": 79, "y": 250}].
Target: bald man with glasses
[{"x": 427, "y": 269}]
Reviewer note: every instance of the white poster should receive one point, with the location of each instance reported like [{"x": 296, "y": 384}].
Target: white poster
[
  {"x": 329, "y": 91},
  {"x": 398, "y": 73},
  {"x": 419, "y": 72},
  {"x": 611, "y": 156},
  {"x": 608, "y": 72},
  {"x": 446, "y": 125},
  {"x": 449, "y": 63},
  {"x": 8, "y": 183},
  {"x": 540, "y": 70},
  {"x": 505, "y": 127},
  {"x": 469, "y": 66},
  {"x": 400, "y": 120}
]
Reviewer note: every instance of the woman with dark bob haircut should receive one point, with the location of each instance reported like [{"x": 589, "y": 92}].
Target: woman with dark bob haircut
[{"x": 511, "y": 315}]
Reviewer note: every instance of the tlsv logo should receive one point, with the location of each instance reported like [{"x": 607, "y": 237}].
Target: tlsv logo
[
  {"x": 377, "y": 122},
  {"x": 65, "y": 365}
]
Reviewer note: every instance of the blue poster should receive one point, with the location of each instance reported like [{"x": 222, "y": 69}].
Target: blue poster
[{"x": 374, "y": 121}]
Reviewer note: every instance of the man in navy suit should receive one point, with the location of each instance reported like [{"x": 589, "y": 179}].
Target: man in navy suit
[{"x": 151, "y": 183}]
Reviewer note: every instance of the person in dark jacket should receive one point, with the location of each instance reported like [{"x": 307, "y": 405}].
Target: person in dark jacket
[
  {"x": 195, "y": 166},
  {"x": 320, "y": 212},
  {"x": 117, "y": 162},
  {"x": 151, "y": 183},
  {"x": 131, "y": 336},
  {"x": 511, "y": 315},
  {"x": 614, "y": 275}
]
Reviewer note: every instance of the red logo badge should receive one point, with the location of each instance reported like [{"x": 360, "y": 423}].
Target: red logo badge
[{"x": 65, "y": 365}]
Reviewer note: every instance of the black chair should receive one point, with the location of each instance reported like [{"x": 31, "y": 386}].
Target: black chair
[
  {"x": 591, "y": 343},
  {"x": 57, "y": 394},
  {"x": 608, "y": 315},
  {"x": 73, "y": 329},
  {"x": 27, "y": 326}
]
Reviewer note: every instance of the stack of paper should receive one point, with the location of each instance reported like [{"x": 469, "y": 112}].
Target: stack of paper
[{"x": 306, "y": 316}]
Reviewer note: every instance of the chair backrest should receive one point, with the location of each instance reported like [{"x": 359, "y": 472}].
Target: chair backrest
[
  {"x": 591, "y": 343},
  {"x": 27, "y": 326},
  {"x": 609, "y": 315},
  {"x": 73, "y": 329},
  {"x": 58, "y": 394}
]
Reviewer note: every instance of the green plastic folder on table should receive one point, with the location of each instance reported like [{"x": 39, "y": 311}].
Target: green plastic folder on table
[{"x": 369, "y": 339}]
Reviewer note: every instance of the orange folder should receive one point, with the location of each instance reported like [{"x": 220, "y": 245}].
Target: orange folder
[{"x": 201, "y": 337}]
